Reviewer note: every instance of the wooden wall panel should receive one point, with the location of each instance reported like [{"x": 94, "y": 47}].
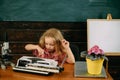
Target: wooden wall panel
[{"x": 21, "y": 33}]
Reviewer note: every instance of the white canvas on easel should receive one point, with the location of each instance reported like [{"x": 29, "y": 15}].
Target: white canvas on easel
[{"x": 104, "y": 33}]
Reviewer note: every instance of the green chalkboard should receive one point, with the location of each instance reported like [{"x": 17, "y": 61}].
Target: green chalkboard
[{"x": 57, "y": 10}]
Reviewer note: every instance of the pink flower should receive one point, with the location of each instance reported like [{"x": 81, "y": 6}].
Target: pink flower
[{"x": 96, "y": 50}]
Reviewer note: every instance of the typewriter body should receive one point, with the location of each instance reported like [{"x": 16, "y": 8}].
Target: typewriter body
[{"x": 37, "y": 65}]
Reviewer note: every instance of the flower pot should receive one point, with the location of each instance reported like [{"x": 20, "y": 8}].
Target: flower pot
[{"x": 94, "y": 67}]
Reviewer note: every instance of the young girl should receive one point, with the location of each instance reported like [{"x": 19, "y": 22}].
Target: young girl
[{"x": 52, "y": 45}]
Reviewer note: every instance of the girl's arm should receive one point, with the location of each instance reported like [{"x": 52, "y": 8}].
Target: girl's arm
[
  {"x": 34, "y": 47},
  {"x": 70, "y": 58}
]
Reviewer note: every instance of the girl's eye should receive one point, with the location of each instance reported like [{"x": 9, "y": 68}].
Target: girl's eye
[
  {"x": 46, "y": 44},
  {"x": 49, "y": 44},
  {"x": 52, "y": 44}
]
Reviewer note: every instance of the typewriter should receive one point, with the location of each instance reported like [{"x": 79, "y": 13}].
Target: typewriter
[{"x": 38, "y": 65}]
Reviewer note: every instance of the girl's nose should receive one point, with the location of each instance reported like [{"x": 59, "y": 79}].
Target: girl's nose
[{"x": 48, "y": 46}]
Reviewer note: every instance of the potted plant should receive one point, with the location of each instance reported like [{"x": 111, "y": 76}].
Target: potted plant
[{"x": 94, "y": 59}]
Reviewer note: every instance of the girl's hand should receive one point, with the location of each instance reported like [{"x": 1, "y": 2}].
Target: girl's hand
[
  {"x": 65, "y": 44},
  {"x": 40, "y": 50}
]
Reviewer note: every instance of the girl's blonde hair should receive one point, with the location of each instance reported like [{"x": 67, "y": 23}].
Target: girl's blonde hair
[{"x": 55, "y": 34}]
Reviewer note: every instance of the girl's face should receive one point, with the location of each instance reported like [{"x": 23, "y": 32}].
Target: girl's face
[{"x": 49, "y": 44}]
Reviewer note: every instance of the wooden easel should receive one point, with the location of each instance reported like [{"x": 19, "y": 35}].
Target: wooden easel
[{"x": 109, "y": 16}]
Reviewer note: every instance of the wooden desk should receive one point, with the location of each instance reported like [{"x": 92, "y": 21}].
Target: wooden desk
[{"x": 67, "y": 74}]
